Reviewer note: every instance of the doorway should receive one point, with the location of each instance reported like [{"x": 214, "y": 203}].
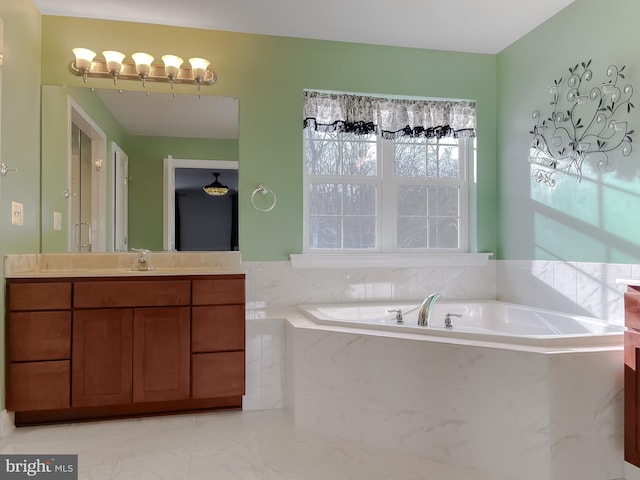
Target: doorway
[
  {"x": 193, "y": 220},
  {"x": 86, "y": 191}
]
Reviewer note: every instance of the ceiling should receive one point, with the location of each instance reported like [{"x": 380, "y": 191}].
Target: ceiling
[
  {"x": 166, "y": 115},
  {"x": 481, "y": 26}
]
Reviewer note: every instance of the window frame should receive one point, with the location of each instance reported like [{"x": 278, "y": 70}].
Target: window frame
[{"x": 386, "y": 199}]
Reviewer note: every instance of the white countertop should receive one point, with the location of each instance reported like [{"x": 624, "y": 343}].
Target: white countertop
[{"x": 123, "y": 264}]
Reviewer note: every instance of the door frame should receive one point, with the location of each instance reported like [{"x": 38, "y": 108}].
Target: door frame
[
  {"x": 98, "y": 177},
  {"x": 169, "y": 192},
  {"x": 120, "y": 195}
]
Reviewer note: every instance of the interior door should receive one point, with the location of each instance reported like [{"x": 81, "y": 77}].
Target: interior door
[{"x": 121, "y": 199}]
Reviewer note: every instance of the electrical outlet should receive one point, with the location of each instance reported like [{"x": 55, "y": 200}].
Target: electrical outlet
[
  {"x": 17, "y": 214},
  {"x": 57, "y": 221}
]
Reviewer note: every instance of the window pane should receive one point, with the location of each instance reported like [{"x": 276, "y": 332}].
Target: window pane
[
  {"x": 359, "y": 158},
  {"x": 412, "y": 232},
  {"x": 359, "y": 232},
  {"x": 325, "y": 199},
  {"x": 322, "y": 157},
  {"x": 432, "y": 160},
  {"x": 443, "y": 232},
  {"x": 448, "y": 164},
  {"x": 359, "y": 200},
  {"x": 325, "y": 232},
  {"x": 413, "y": 200},
  {"x": 443, "y": 201},
  {"x": 409, "y": 159}
]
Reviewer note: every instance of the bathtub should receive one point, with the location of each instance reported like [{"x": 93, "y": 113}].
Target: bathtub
[{"x": 490, "y": 321}]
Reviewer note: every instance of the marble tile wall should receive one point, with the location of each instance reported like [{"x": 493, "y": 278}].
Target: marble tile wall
[{"x": 572, "y": 287}]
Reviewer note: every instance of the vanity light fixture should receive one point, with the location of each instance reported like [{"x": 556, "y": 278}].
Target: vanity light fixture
[
  {"x": 113, "y": 65},
  {"x": 172, "y": 64},
  {"x": 84, "y": 59},
  {"x": 143, "y": 63},
  {"x": 216, "y": 188}
]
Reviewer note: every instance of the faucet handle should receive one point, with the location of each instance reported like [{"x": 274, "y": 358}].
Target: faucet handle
[
  {"x": 398, "y": 313},
  {"x": 447, "y": 319}
]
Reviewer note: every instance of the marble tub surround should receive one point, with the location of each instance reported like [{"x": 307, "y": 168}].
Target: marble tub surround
[
  {"x": 509, "y": 413},
  {"x": 121, "y": 263}
]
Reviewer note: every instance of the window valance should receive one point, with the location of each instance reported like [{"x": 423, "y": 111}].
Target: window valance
[{"x": 389, "y": 117}]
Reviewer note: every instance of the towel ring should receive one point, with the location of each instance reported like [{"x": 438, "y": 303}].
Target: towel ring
[{"x": 262, "y": 190}]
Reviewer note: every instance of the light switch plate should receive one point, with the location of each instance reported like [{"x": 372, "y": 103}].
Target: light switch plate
[
  {"x": 57, "y": 221},
  {"x": 17, "y": 214}
]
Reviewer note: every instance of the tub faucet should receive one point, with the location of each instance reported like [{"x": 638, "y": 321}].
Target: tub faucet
[
  {"x": 143, "y": 259},
  {"x": 424, "y": 313}
]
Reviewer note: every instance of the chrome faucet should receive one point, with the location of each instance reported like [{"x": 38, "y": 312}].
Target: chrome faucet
[
  {"x": 424, "y": 313},
  {"x": 143, "y": 259}
]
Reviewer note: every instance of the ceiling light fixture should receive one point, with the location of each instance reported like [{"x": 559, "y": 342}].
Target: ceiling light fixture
[
  {"x": 215, "y": 188},
  {"x": 114, "y": 66}
]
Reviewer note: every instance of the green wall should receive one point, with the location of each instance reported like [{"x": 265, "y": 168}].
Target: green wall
[
  {"x": 268, "y": 75},
  {"x": 19, "y": 136},
  {"x": 594, "y": 220}
]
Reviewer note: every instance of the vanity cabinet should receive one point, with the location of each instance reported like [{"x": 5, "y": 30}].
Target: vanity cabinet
[
  {"x": 632, "y": 376},
  {"x": 92, "y": 348}
]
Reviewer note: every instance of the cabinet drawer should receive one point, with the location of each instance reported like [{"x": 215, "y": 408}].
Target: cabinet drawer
[
  {"x": 38, "y": 386},
  {"x": 219, "y": 291},
  {"x": 219, "y": 328},
  {"x": 39, "y": 296},
  {"x": 39, "y": 336},
  {"x": 131, "y": 293},
  {"x": 218, "y": 374}
]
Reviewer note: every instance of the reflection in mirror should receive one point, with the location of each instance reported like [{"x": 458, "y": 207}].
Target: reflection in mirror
[
  {"x": 203, "y": 221},
  {"x": 141, "y": 130}
]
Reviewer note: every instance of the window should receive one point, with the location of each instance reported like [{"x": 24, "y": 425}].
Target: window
[{"x": 368, "y": 193}]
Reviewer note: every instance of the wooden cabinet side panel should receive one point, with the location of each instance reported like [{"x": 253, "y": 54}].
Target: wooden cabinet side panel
[
  {"x": 161, "y": 354},
  {"x": 102, "y": 357},
  {"x": 225, "y": 290},
  {"x": 38, "y": 296},
  {"x": 218, "y": 328},
  {"x": 41, "y": 335},
  {"x": 218, "y": 374},
  {"x": 632, "y": 309},
  {"x": 631, "y": 398},
  {"x": 38, "y": 385}
]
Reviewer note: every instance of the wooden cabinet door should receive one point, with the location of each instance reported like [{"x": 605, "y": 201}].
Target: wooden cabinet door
[
  {"x": 102, "y": 357},
  {"x": 161, "y": 354},
  {"x": 631, "y": 377}
]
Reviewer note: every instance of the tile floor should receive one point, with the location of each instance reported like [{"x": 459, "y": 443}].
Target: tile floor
[{"x": 258, "y": 445}]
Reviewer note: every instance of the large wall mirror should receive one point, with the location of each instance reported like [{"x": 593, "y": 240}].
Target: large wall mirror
[{"x": 104, "y": 157}]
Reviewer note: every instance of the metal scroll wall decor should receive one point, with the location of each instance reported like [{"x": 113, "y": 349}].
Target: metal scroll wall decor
[{"x": 586, "y": 123}]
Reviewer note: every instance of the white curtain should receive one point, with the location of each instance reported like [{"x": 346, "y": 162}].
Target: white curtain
[{"x": 391, "y": 118}]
